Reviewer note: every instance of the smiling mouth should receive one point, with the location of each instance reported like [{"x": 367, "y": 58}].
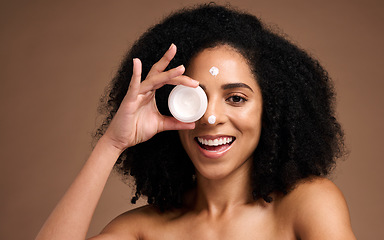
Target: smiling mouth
[{"x": 215, "y": 145}]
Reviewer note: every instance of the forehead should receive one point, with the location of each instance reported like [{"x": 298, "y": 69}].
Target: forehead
[{"x": 222, "y": 63}]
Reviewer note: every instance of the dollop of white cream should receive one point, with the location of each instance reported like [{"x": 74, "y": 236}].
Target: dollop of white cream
[
  {"x": 212, "y": 119},
  {"x": 214, "y": 71}
]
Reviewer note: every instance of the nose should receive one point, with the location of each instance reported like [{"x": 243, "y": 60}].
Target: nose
[{"x": 214, "y": 114}]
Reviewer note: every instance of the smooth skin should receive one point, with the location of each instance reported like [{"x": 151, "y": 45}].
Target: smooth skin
[
  {"x": 137, "y": 120},
  {"x": 221, "y": 207}
]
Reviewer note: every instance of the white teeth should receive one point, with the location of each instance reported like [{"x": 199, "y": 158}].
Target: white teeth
[{"x": 215, "y": 142}]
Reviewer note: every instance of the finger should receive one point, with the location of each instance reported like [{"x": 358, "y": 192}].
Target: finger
[
  {"x": 134, "y": 86},
  {"x": 162, "y": 64},
  {"x": 173, "y": 76},
  {"x": 156, "y": 81},
  {"x": 183, "y": 80},
  {"x": 171, "y": 123}
]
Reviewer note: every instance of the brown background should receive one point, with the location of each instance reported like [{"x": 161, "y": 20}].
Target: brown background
[{"x": 56, "y": 57}]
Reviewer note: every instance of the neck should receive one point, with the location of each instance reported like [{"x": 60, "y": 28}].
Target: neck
[{"x": 219, "y": 196}]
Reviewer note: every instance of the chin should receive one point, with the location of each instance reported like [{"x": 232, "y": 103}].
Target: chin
[{"x": 222, "y": 171}]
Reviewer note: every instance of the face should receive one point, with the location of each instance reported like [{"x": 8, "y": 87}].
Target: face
[{"x": 223, "y": 145}]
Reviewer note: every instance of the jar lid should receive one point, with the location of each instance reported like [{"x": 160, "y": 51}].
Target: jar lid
[{"x": 187, "y": 104}]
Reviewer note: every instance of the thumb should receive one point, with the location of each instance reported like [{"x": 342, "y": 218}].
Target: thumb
[{"x": 171, "y": 123}]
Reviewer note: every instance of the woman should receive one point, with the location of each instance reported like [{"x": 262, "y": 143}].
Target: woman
[{"x": 257, "y": 172}]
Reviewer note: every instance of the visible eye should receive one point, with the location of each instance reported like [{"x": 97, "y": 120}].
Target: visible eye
[{"x": 236, "y": 99}]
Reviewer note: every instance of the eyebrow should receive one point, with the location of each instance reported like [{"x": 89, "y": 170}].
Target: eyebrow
[{"x": 231, "y": 85}]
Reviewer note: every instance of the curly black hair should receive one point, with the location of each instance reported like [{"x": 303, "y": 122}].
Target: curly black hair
[{"x": 300, "y": 135}]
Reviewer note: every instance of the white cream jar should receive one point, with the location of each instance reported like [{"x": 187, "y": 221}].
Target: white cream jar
[{"x": 187, "y": 104}]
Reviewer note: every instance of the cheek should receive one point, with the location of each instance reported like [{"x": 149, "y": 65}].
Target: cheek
[
  {"x": 248, "y": 121},
  {"x": 183, "y": 135},
  {"x": 248, "y": 117}
]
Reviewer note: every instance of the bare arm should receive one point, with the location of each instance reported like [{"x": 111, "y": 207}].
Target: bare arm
[
  {"x": 73, "y": 213},
  {"x": 137, "y": 120}
]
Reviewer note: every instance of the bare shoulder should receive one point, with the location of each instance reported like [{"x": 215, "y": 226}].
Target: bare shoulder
[
  {"x": 319, "y": 210},
  {"x": 129, "y": 225}
]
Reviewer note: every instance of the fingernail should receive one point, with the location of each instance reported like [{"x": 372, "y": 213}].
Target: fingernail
[
  {"x": 171, "y": 46},
  {"x": 180, "y": 67},
  {"x": 195, "y": 82}
]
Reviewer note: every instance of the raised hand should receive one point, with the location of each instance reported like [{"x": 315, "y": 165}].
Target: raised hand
[{"x": 138, "y": 118}]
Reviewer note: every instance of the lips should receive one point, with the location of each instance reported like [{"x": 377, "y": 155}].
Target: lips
[{"x": 214, "y": 147}]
